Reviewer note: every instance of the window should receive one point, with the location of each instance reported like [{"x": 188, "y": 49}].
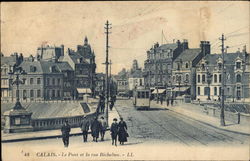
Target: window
[
  {"x": 199, "y": 79},
  {"x": 215, "y": 91},
  {"x": 53, "y": 81},
  {"x": 31, "y": 80},
  {"x": 53, "y": 93},
  {"x": 142, "y": 94},
  {"x": 147, "y": 94},
  {"x": 24, "y": 81},
  {"x": 198, "y": 91},
  {"x": 186, "y": 65},
  {"x": 203, "y": 66},
  {"x": 48, "y": 94},
  {"x": 215, "y": 78},
  {"x": 220, "y": 65},
  {"x": 140, "y": 82},
  {"x": 38, "y": 93},
  {"x": 48, "y": 81},
  {"x": 220, "y": 91},
  {"x": 187, "y": 77},
  {"x": 238, "y": 78},
  {"x": 238, "y": 65},
  {"x": 58, "y": 93},
  {"x": 203, "y": 78},
  {"x": 24, "y": 94},
  {"x": 220, "y": 78},
  {"x": 138, "y": 94},
  {"x": 178, "y": 66},
  {"x": 207, "y": 91},
  {"x": 38, "y": 80},
  {"x": 58, "y": 81},
  {"x": 31, "y": 93}
]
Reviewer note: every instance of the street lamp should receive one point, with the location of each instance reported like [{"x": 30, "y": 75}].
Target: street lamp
[
  {"x": 17, "y": 71},
  {"x": 209, "y": 80}
]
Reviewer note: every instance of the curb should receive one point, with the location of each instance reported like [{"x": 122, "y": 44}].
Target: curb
[{"x": 41, "y": 137}]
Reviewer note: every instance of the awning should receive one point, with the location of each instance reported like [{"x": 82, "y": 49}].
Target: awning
[
  {"x": 160, "y": 91},
  {"x": 83, "y": 90},
  {"x": 182, "y": 89}
]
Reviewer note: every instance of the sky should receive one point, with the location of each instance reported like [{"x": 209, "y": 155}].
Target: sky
[{"x": 136, "y": 26}]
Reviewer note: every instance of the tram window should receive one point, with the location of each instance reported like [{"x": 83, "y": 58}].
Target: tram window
[
  {"x": 147, "y": 94},
  {"x": 143, "y": 95}
]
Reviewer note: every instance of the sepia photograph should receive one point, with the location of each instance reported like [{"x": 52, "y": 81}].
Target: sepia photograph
[{"x": 125, "y": 80}]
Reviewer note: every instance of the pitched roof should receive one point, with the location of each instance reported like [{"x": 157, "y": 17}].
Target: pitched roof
[
  {"x": 172, "y": 46},
  {"x": 189, "y": 54},
  {"x": 76, "y": 56},
  {"x": 26, "y": 66}
]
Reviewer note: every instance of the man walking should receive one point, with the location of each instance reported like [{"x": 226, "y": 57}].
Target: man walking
[
  {"x": 65, "y": 133},
  {"x": 85, "y": 128},
  {"x": 114, "y": 131},
  {"x": 103, "y": 128}
]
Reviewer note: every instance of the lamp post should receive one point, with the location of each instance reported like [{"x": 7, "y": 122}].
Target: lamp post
[
  {"x": 17, "y": 71},
  {"x": 209, "y": 80}
]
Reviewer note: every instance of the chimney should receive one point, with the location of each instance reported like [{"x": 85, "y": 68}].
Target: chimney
[
  {"x": 205, "y": 47},
  {"x": 185, "y": 44}
]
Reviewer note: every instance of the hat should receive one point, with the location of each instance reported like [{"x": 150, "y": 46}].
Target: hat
[
  {"x": 121, "y": 118},
  {"x": 102, "y": 117},
  {"x": 114, "y": 119}
]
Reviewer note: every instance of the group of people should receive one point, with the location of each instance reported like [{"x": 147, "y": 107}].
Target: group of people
[
  {"x": 101, "y": 103},
  {"x": 98, "y": 127}
]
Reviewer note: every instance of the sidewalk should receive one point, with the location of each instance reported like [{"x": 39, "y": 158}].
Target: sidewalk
[
  {"x": 14, "y": 137},
  {"x": 195, "y": 112}
]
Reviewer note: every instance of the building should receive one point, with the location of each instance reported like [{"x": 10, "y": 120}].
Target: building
[
  {"x": 82, "y": 62},
  {"x": 43, "y": 80},
  {"x": 158, "y": 65},
  {"x": 135, "y": 78},
  {"x": 209, "y": 78},
  {"x": 47, "y": 52},
  {"x": 7, "y": 65},
  {"x": 184, "y": 73},
  {"x": 100, "y": 83}
]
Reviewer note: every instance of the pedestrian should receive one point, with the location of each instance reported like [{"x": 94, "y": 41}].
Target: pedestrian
[
  {"x": 65, "y": 133},
  {"x": 103, "y": 127},
  {"x": 112, "y": 101},
  {"x": 85, "y": 128},
  {"x": 161, "y": 99},
  {"x": 172, "y": 101},
  {"x": 122, "y": 131},
  {"x": 168, "y": 101},
  {"x": 114, "y": 131},
  {"x": 95, "y": 129}
]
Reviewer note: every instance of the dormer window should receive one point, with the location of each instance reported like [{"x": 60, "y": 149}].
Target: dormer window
[
  {"x": 238, "y": 78},
  {"x": 203, "y": 66},
  {"x": 186, "y": 65},
  {"x": 220, "y": 66},
  {"x": 32, "y": 68},
  {"x": 238, "y": 65}
]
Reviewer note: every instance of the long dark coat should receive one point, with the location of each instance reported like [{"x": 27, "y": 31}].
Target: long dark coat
[
  {"x": 95, "y": 128},
  {"x": 122, "y": 132},
  {"x": 114, "y": 130},
  {"x": 84, "y": 125},
  {"x": 65, "y": 130}
]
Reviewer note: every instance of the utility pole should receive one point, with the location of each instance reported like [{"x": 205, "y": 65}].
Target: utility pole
[
  {"x": 107, "y": 27},
  {"x": 222, "y": 115}
]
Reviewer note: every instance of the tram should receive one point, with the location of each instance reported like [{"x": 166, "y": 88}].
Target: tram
[{"x": 141, "y": 99}]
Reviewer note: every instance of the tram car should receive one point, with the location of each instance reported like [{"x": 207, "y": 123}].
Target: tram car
[{"x": 141, "y": 99}]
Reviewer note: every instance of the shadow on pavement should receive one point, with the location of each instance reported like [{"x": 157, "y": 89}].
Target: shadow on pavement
[
  {"x": 131, "y": 143},
  {"x": 152, "y": 109}
]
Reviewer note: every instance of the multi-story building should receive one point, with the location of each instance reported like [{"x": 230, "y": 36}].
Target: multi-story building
[
  {"x": 184, "y": 73},
  {"x": 7, "y": 66},
  {"x": 43, "y": 80},
  {"x": 158, "y": 65},
  {"x": 209, "y": 77},
  {"x": 83, "y": 63}
]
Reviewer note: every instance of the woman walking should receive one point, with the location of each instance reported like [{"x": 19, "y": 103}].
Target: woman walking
[
  {"x": 122, "y": 131},
  {"x": 95, "y": 129},
  {"x": 114, "y": 131}
]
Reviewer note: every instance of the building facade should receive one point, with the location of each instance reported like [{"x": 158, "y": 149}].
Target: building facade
[
  {"x": 83, "y": 63},
  {"x": 135, "y": 78},
  {"x": 158, "y": 65},
  {"x": 184, "y": 72},
  {"x": 7, "y": 66},
  {"x": 209, "y": 77}
]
